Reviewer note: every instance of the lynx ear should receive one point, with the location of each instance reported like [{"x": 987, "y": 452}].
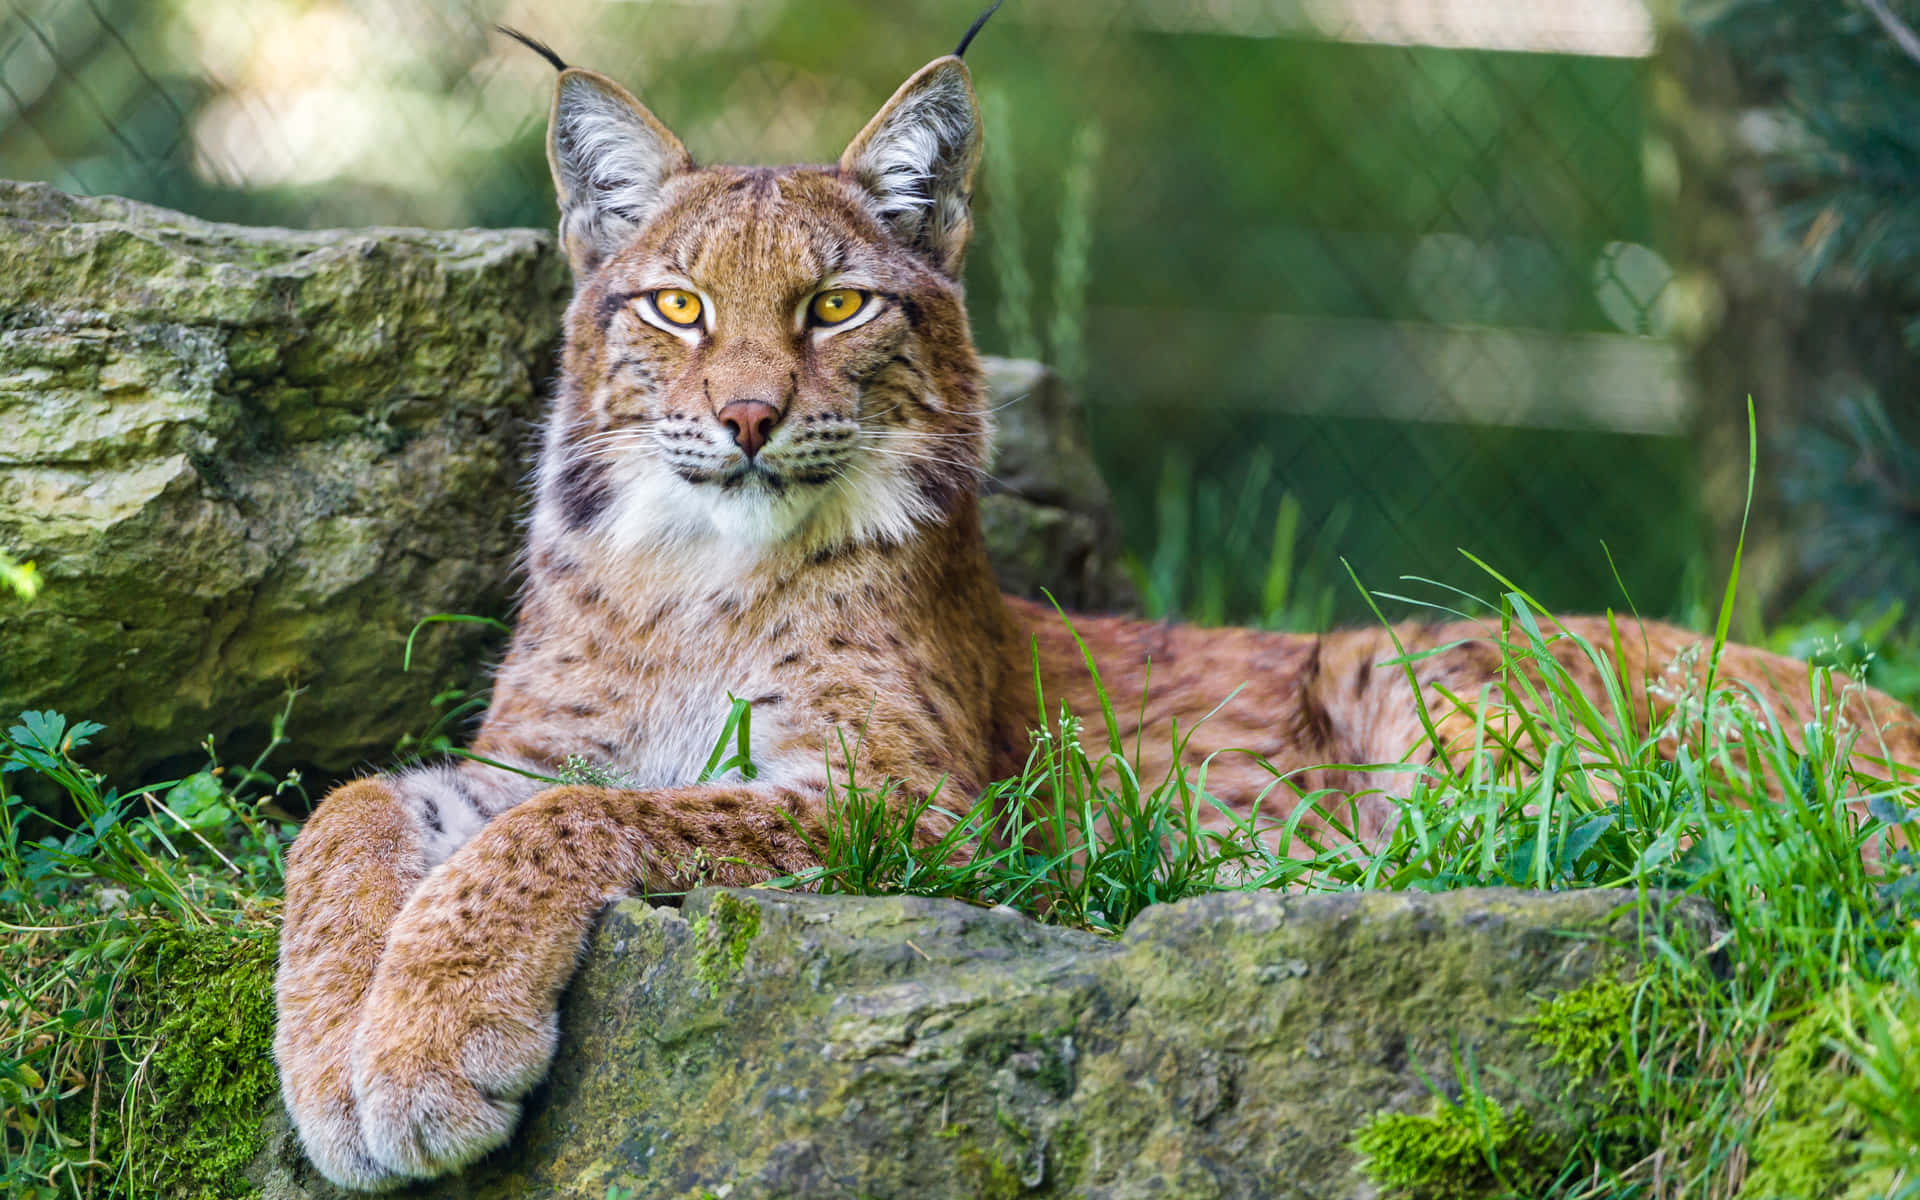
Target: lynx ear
[
  {"x": 916, "y": 160},
  {"x": 610, "y": 160}
]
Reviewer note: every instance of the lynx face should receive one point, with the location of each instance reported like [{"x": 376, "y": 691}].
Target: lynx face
[{"x": 767, "y": 357}]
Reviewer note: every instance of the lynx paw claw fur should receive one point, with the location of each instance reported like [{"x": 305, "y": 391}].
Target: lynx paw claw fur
[
  {"x": 431, "y": 1124},
  {"x": 334, "y": 1143},
  {"x": 430, "y": 1104}
]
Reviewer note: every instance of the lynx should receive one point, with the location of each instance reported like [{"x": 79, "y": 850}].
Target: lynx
[{"x": 759, "y": 480}]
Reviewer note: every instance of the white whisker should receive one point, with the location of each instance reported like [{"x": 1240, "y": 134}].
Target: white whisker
[
  {"x": 918, "y": 435},
  {"x": 932, "y": 458},
  {"x": 608, "y": 435},
  {"x": 628, "y": 450}
]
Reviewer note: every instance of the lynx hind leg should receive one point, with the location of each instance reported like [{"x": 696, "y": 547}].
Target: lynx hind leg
[
  {"x": 349, "y": 874},
  {"x": 463, "y": 1014}
]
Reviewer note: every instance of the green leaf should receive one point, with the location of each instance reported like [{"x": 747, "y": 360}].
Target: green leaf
[
  {"x": 1725, "y": 620},
  {"x": 738, "y": 730},
  {"x": 41, "y": 729},
  {"x": 29, "y": 759},
  {"x": 192, "y": 795},
  {"x": 1585, "y": 834},
  {"x": 24, "y": 1074},
  {"x": 82, "y": 733}
]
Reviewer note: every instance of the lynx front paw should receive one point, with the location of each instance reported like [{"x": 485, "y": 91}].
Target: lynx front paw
[
  {"x": 333, "y": 1141},
  {"x": 436, "y": 1091}
]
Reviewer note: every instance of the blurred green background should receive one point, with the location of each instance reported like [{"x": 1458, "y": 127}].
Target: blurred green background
[{"x": 1372, "y": 279}]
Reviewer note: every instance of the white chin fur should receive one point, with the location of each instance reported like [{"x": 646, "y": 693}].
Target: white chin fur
[{"x": 654, "y": 507}]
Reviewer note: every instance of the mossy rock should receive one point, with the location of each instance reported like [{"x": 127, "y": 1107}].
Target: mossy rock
[
  {"x": 248, "y": 459},
  {"x": 1047, "y": 515},
  {"x": 1229, "y": 1046}
]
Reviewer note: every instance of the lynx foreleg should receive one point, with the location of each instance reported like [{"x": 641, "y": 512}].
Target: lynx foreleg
[
  {"x": 461, "y": 1018},
  {"x": 348, "y": 876}
]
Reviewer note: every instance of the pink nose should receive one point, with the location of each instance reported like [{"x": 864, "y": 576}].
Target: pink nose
[{"x": 751, "y": 422}]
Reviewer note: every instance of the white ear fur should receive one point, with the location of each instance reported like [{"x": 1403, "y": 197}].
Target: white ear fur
[
  {"x": 610, "y": 159},
  {"x": 916, "y": 160}
]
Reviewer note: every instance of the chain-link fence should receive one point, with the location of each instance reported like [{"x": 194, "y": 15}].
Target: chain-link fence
[{"x": 1372, "y": 279}]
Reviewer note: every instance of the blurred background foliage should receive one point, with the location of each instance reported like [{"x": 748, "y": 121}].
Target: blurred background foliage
[{"x": 1372, "y": 279}]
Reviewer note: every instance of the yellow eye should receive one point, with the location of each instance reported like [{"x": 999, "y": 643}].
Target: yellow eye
[
  {"x": 831, "y": 308},
  {"x": 678, "y": 307}
]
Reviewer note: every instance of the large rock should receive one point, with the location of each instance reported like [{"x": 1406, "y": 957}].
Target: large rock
[
  {"x": 252, "y": 458},
  {"x": 249, "y": 458},
  {"x": 762, "y": 1045}
]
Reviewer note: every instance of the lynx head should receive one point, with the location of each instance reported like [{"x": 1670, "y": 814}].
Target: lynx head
[{"x": 770, "y": 357}]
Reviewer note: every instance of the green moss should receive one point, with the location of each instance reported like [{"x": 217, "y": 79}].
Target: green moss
[
  {"x": 989, "y": 1175},
  {"x": 1472, "y": 1150},
  {"x": 1808, "y": 1145},
  {"x": 1477, "y": 1149},
  {"x": 721, "y": 936},
  {"x": 1797, "y": 1159},
  {"x": 1629, "y": 1047},
  {"x": 198, "y": 1008},
  {"x": 1587, "y": 1031}
]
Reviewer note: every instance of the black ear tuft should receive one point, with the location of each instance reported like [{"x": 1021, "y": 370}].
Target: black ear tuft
[
  {"x": 545, "y": 51},
  {"x": 967, "y": 38}
]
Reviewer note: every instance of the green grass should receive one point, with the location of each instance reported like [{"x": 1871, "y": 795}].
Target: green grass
[
  {"x": 1779, "y": 1057},
  {"x": 135, "y": 973}
]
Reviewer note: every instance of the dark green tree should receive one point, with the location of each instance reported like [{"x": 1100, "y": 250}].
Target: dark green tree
[
  {"x": 1846, "y": 74},
  {"x": 1839, "y": 124}
]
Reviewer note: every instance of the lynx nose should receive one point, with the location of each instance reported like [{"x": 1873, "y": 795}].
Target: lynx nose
[{"x": 751, "y": 423}]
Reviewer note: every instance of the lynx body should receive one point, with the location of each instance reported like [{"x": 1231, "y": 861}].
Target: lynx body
[{"x": 758, "y": 480}]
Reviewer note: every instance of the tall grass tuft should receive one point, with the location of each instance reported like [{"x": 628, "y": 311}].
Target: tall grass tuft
[{"x": 1209, "y": 529}]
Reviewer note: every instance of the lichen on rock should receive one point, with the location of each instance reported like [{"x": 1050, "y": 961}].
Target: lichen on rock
[{"x": 721, "y": 935}]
